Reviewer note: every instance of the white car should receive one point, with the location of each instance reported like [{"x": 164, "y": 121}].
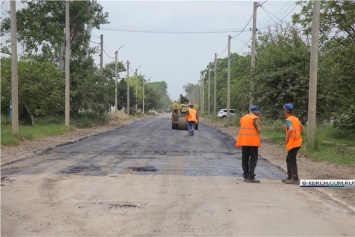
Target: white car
[{"x": 223, "y": 113}]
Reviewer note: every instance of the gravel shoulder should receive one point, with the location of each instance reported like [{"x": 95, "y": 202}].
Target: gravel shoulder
[{"x": 308, "y": 169}]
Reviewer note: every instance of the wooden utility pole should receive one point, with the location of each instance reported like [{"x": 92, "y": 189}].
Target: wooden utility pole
[
  {"x": 312, "y": 98},
  {"x": 14, "y": 70},
  {"x": 209, "y": 90},
  {"x": 215, "y": 86},
  {"x": 127, "y": 87},
  {"x": 67, "y": 65},
  {"x": 229, "y": 77},
  {"x": 253, "y": 46},
  {"x": 102, "y": 54},
  {"x": 116, "y": 52}
]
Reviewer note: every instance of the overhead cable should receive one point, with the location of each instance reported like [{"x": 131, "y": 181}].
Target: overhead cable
[{"x": 172, "y": 32}]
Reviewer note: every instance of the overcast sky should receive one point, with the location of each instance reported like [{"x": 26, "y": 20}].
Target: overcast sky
[{"x": 175, "y": 40}]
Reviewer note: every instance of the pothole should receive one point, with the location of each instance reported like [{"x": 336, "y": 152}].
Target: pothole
[{"x": 144, "y": 169}]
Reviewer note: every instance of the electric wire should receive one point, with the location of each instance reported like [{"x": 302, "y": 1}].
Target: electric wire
[
  {"x": 243, "y": 28},
  {"x": 108, "y": 50},
  {"x": 94, "y": 42},
  {"x": 223, "y": 51},
  {"x": 267, "y": 13},
  {"x": 171, "y": 32},
  {"x": 108, "y": 55}
]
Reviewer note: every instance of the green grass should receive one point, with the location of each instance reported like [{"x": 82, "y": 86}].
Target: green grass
[
  {"x": 49, "y": 126},
  {"x": 333, "y": 145},
  {"x": 29, "y": 133}
]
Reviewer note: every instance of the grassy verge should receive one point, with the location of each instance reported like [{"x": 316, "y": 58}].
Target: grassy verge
[
  {"x": 48, "y": 127},
  {"x": 29, "y": 133},
  {"x": 333, "y": 145}
]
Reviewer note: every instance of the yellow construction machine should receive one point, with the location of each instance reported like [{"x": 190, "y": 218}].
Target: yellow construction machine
[{"x": 178, "y": 115}]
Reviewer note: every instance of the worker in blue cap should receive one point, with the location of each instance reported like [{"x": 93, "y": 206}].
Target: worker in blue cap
[
  {"x": 249, "y": 140},
  {"x": 293, "y": 140}
]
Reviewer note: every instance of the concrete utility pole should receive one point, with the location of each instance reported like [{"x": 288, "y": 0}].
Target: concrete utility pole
[
  {"x": 253, "y": 45},
  {"x": 116, "y": 78},
  {"x": 102, "y": 54},
  {"x": 215, "y": 86},
  {"x": 203, "y": 93},
  {"x": 312, "y": 100},
  {"x": 127, "y": 87},
  {"x": 229, "y": 77},
  {"x": 209, "y": 90},
  {"x": 136, "y": 76},
  {"x": 14, "y": 70},
  {"x": 67, "y": 65}
]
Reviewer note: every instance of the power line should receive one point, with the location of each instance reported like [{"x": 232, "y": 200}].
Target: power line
[
  {"x": 94, "y": 42},
  {"x": 243, "y": 28},
  {"x": 223, "y": 51},
  {"x": 172, "y": 32},
  {"x": 282, "y": 19},
  {"x": 108, "y": 50},
  {"x": 108, "y": 55},
  {"x": 267, "y": 13}
]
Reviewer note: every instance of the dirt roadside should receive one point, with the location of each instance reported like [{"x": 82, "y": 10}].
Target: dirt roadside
[{"x": 307, "y": 169}]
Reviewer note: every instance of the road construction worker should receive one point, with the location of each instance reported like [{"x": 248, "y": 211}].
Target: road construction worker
[
  {"x": 183, "y": 99},
  {"x": 293, "y": 140},
  {"x": 249, "y": 140},
  {"x": 191, "y": 119}
]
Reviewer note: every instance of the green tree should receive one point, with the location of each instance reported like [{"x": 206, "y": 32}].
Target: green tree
[
  {"x": 282, "y": 72},
  {"x": 337, "y": 52},
  {"x": 40, "y": 27},
  {"x": 41, "y": 88}
]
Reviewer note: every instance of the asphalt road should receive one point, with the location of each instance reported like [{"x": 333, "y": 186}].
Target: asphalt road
[{"x": 146, "y": 179}]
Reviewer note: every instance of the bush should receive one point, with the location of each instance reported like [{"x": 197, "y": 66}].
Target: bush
[{"x": 347, "y": 120}]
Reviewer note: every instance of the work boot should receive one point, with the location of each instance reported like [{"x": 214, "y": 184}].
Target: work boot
[
  {"x": 294, "y": 172},
  {"x": 253, "y": 181},
  {"x": 287, "y": 179},
  {"x": 292, "y": 181}
]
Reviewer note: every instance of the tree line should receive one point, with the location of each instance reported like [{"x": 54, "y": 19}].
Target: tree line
[
  {"x": 41, "y": 77},
  {"x": 281, "y": 73}
]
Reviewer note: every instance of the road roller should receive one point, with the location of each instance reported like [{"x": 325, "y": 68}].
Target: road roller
[{"x": 178, "y": 115}]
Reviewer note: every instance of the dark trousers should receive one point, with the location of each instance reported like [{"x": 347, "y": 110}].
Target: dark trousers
[
  {"x": 249, "y": 160},
  {"x": 291, "y": 161}
]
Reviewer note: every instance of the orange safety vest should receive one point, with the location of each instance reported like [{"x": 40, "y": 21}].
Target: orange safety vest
[
  {"x": 295, "y": 138},
  {"x": 192, "y": 116},
  {"x": 248, "y": 135}
]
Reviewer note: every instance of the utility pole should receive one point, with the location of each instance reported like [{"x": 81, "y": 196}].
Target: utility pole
[
  {"x": 136, "y": 76},
  {"x": 203, "y": 93},
  {"x": 116, "y": 79},
  {"x": 215, "y": 86},
  {"x": 102, "y": 54},
  {"x": 312, "y": 100},
  {"x": 209, "y": 90},
  {"x": 127, "y": 87},
  {"x": 14, "y": 70},
  {"x": 253, "y": 45},
  {"x": 229, "y": 77},
  {"x": 67, "y": 65},
  {"x": 143, "y": 94}
]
